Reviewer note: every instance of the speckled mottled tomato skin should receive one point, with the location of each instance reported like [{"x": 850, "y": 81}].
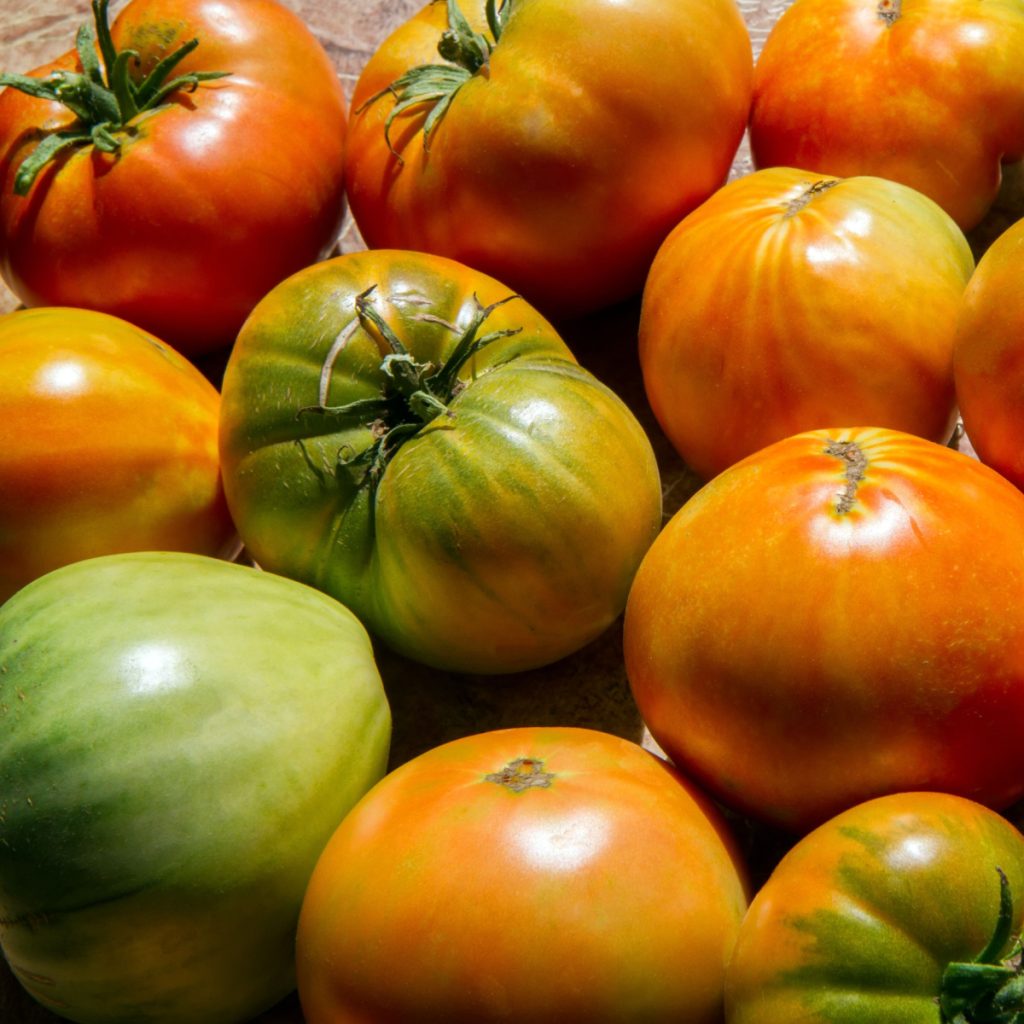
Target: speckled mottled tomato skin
[
  {"x": 219, "y": 194},
  {"x": 500, "y": 537},
  {"x": 924, "y": 92},
  {"x": 859, "y": 920},
  {"x": 108, "y": 443},
  {"x": 988, "y": 357},
  {"x": 610, "y": 895},
  {"x": 799, "y": 642},
  {"x": 790, "y": 301},
  {"x": 559, "y": 170}
]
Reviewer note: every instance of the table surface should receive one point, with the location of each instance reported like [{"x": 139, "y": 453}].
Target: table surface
[{"x": 587, "y": 689}]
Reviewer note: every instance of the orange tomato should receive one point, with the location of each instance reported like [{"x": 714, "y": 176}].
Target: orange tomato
[{"x": 108, "y": 443}]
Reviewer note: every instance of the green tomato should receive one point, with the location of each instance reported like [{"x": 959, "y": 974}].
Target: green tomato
[
  {"x": 408, "y": 435},
  {"x": 180, "y": 738}
]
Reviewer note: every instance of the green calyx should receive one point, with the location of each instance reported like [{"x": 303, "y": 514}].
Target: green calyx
[
  {"x": 412, "y": 394},
  {"x": 435, "y": 85},
  {"x": 990, "y": 988},
  {"x": 103, "y": 96}
]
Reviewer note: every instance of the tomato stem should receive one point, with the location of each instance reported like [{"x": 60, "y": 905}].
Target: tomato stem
[
  {"x": 434, "y": 86},
  {"x": 412, "y": 394},
  {"x": 987, "y": 989},
  {"x": 103, "y": 96}
]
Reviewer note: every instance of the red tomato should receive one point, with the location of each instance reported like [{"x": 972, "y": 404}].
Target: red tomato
[
  {"x": 925, "y": 92},
  {"x": 541, "y": 875},
  {"x": 108, "y": 443},
  {"x": 790, "y": 302},
  {"x": 838, "y": 616},
  {"x": 893, "y": 911},
  {"x": 988, "y": 357},
  {"x": 588, "y": 129},
  {"x": 213, "y": 196}
]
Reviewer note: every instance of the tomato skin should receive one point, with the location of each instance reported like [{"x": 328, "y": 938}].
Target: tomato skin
[
  {"x": 595, "y": 128},
  {"x": 500, "y": 537},
  {"x": 933, "y": 100},
  {"x": 791, "y": 302},
  {"x": 988, "y": 357},
  {"x": 211, "y": 203},
  {"x": 181, "y": 737},
  {"x": 859, "y": 920},
  {"x": 612, "y": 894},
  {"x": 108, "y": 443},
  {"x": 799, "y": 642}
]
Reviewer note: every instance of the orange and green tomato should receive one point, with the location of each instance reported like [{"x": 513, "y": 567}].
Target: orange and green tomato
[
  {"x": 836, "y": 617},
  {"x": 988, "y": 357},
  {"x": 109, "y": 444},
  {"x": 542, "y": 875},
  {"x": 924, "y": 92},
  {"x": 793, "y": 301},
  {"x": 861, "y": 920},
  {"x": 588, "y": 130},
  {"x": 412, "y": 437}
]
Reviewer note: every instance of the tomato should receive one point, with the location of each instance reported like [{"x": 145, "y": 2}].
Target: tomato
[
  {"x": 836, "y": 617},
  {"x": 207, "y": 200},
  {"x": 881, "y": 913},
  {"x": 790, "y": 302},
  {"x": 109, "y": 443},
  {"x": 577, "y": 135},
  {"x": 410, "y": 436},
  {"x": 181, "y": 737},
  {"x": 924, "y": 92},
  {"x": 542, "y": 875},
  {"x": 988, "y": 357}
]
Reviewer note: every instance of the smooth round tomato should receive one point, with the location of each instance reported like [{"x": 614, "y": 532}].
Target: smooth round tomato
[
  {"x": 181, "y": 737},
  {"x": 791, "y": 302},
  {"x": 893, "y": 911},
  {"x": 543, "y": 875},
  {"x": 577, "y": 135},
  {"x": 412, "y": 437},
  {"x": 924, "y": 92},
  {"x": 209, "y": 199},
  {"x": 988, "y": 356},
  {"x": 836, "y": 617},
  {"x": 109, "y": 443}
]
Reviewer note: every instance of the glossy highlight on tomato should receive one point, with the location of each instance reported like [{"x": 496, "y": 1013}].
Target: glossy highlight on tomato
[
  {"x": 574, "y": 135},
  {"x": 222, "y": 189},
  {"x": 109, "y": 444},
  {"x": 543, "y": 875},
  {"x": 790, "y": 301},
  {"x": 412, "y": 437},
  {"x": 882, "y": 914},
  {"x": 836, "y": 617}
]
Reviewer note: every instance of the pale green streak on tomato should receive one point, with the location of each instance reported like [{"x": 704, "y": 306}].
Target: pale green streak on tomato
[
  {"x": 860, "y": 920},
  {"x": 180, "y": 738}
]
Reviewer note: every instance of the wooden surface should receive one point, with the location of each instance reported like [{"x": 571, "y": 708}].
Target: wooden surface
[{"x": 587, "y": 689}]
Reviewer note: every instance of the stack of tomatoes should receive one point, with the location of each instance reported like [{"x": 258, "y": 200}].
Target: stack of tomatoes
[{"x": 587, "y": 401}]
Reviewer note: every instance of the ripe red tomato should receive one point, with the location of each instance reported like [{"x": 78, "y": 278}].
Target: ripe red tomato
[
  {"x": 221, "y": 190},
  {"x": 838, "y": 616},
  {"x": 790, "y": 302},
  {"x": 988, "y": 357},
  {"x": 410, "y": 436},
  {"x": 892, "y": 911},
  {"x": 109, "y": 444},
  {"x": 925, "y": 92},
  {"x": 542, "y": 875},
  {"x": 586, "y": 131}
]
